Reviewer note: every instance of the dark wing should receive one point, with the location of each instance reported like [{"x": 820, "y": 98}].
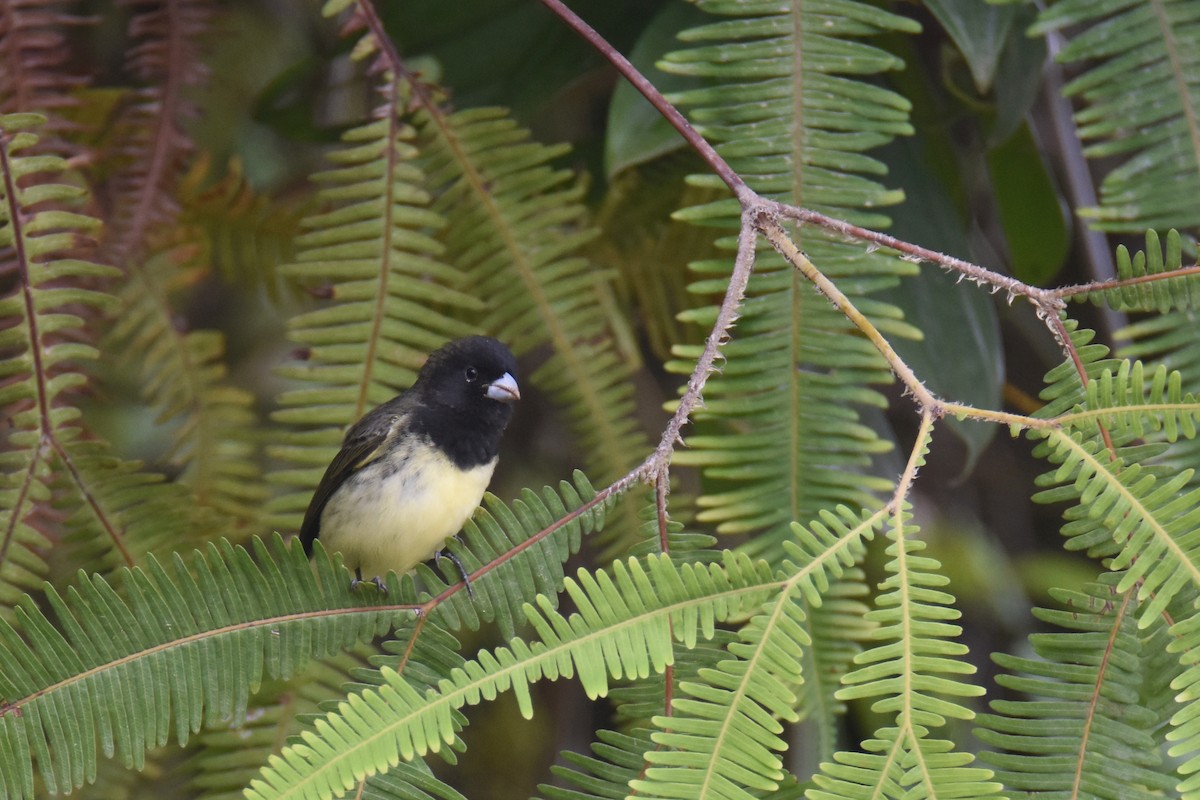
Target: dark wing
[{"x": 362, "y": 445}]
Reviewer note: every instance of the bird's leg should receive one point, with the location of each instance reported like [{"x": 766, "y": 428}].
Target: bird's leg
[
  {"x": 466, "y": 579},
  {"x": 358, "y": 581}
]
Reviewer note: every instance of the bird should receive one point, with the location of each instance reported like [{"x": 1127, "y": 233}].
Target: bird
[{"x": 412, "y": 471}]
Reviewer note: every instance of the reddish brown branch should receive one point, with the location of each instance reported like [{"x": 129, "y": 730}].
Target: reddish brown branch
[
  {"x": 1118, "y": 283},
  {"x": 652, "y": 94}
]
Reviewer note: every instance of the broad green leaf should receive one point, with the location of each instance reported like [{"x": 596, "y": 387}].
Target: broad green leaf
[
  {"x": 960, "y": 356},
  {"x": 980, "y": 31},
  {"x": 1033, "y": 213},
  {"x": 636, "y": 132}
]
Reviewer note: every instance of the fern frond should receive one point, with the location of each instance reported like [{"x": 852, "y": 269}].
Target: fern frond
[
  {"x": 184, "y": 378},
  {"x": 903, "y": 763},
  {"x": 1065, "y": 389},
  {"x": 539, "y": 531},
  {"x": 625, "y": 627},
  {"x": 1142, "y": 283},
  {"x": 784, "y": 440},
  {"x": 516, "y": 226},
  {"x": 1146, "y": 513},
  {"x": 374, "y": 256},
  {"x": 50, "y": 468},
  {"x": 164, "y": 650},
  {"x": 1085, "y": 728},
  {"x": 244, "y": 235},
  {"x": 1140, "y": 103},
  {"x": 33, "y": 72},
  {"x": 780, "y": 436},
  {"x": 407, "y": 782},
  {"x": 229, "y": 753},
  {"x": 724, "y": 737},
  {"x": 1167, "y": 339},
  {"x": 165, "y": 60},
  {"x": 1185, "y": 689},
  {"x": 1127, "y": 405},
  {"x": 617, "y": 759},
  {"x": 913, "y": 674}
]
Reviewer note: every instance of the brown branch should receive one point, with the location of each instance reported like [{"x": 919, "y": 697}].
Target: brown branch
[
  {"x": 1089, "y": 720},
  {"x": 1117, "y": 283},
  {"x": 664, "y": 107},
  {"x": 662, "y": 487},
  {"x": 1064, "y": 339}
]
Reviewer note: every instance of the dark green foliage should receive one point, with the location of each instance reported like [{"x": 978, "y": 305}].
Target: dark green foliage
[
  {"x": 160, "y": 652},
  {"x": 1139, "y": 104},
  {"x": 1087, "y": 727},
  {"x": 821, "y": 653}
]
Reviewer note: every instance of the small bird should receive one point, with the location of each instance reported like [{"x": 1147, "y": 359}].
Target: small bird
[{"x": 412, "y": 471}]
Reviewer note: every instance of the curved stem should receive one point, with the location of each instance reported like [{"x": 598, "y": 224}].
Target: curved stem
[{"x": 669, "y": 112}]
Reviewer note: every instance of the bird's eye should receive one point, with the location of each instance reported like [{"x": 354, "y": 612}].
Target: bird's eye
[{"x": 472, "y": 374}]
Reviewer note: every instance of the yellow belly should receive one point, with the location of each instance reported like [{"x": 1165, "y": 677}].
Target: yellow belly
[{"x": 398, "y": 511}]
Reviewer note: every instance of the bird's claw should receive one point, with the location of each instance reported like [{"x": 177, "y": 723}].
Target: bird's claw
[
  {"x": 462, "y": 571},
  {"x": 357, "y": 581}
]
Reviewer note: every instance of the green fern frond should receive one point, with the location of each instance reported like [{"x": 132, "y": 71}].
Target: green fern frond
[
  {"x": 164, "y": 650},
  {"x": 373, "y": 254},
  {"x": 1144, "y": 511},
  {"x": 903, "y": 763},
  {"x": 626, "y": 626},
  {"x": 913, "y": 674},
  {"x": 914, "y": 671},
  {"x": 1184, "y": 732},
  {"x": 1167, "y": 339},
  {"x": 722, "y": 740},
  {"x": 618, "y": 759},
  {"x": 1127, "y": 405},
  {"x": 1085, "y": 729},
  {"x": 784, "y": 439},
  {"x": 243, "y": 234},
  {"x": 1065, "y": 389},
  {"x": 1140, "y": 285},
  {"x": 118, "y": 513},
  {"x": 230, "y": 753},
  {"x": 1140, "y": 103},
  {"x": 51, "y": 470},
  {"x": 824, "y": 550},
  {"x": 537, "y": 565},
  {"x": 407, "y": 782},
  {"x": 516, "y": 226},
  {"x": 780, "y": 437},
  {"x": 183, "y": 377}
]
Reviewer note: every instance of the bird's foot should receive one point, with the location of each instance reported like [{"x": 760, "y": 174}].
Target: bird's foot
[
  {"x": 357, "y": 581},
  {"x": 462, "y": 571}
]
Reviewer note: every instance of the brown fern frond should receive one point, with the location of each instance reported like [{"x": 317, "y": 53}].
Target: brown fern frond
[
  {"x": 33, "y": 75},
  {"x": 152, "y": 141}
]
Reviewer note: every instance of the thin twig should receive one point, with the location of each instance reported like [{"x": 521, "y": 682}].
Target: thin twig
[
  {"x": 1118, "y": 283},
  {"x": 648, "y": 90},
  {"x": 662, "y": 486},
  {"x": 1043, "y": 298},
  {"x": 735, "y": 293},
  {"x": 787, "y": 248}
]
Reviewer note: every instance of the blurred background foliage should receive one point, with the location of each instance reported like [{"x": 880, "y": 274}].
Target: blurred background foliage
[{"x": 994, "y": 171}]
